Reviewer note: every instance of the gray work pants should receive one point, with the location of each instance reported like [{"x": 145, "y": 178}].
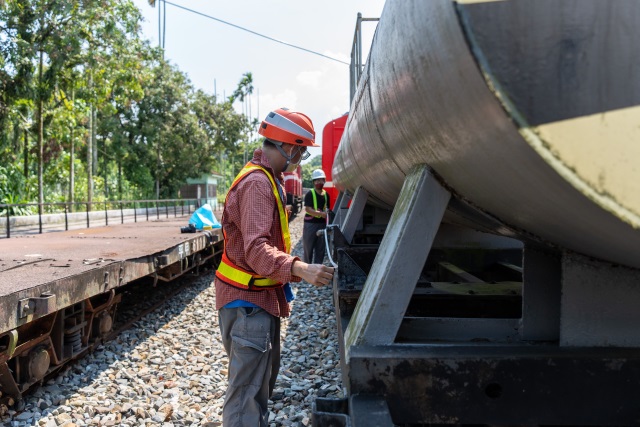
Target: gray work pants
[
  {"x": 251, "y": 338},
  {"x": 312, "y": 244}
]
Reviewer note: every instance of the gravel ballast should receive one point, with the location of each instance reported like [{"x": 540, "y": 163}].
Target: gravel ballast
[{"x": 170, "y": 368}]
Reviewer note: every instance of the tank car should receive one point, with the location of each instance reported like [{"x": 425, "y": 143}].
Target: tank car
[
  {"x": 293, "y": 188},
  {"x": 487, "y": 231},
  {"x": 331, "y": 134}
]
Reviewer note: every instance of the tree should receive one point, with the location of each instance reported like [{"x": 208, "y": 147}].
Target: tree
[
  {"x": 242, "y": 92},
  {"x": 313, "y": 163},
  {"x": 47, "y": 41},
  {"x": 105, "y": 108},
  {"x": 112, "y": 58}
]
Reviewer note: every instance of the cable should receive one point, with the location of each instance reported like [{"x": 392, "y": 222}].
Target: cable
[{"x": 253, "y": 32}]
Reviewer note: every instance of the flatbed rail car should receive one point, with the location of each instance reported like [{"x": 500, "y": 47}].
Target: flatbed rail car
[
  {"x": 489, "y": 259},
  {"x": 59, "y": 291}
]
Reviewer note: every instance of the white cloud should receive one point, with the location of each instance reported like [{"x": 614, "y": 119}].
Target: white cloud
[
  {"x": 310, "y": 78},
  {"x": 270, "y": 101},
  {"x": 339, "y": 55}
]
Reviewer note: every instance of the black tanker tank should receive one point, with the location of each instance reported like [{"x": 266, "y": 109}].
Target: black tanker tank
[
  {"x": 528, "y": 110},
  {"x": 487, "y": 231}
]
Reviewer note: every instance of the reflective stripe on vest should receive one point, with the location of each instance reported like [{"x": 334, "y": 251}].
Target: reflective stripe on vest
[
  {"x": 315, "y": 202},
  {"x": 232, "y": 274}
]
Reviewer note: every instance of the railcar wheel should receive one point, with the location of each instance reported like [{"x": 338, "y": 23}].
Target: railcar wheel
[
  {"x": 104, "y": 324},
  {"x": 38, "y": 363}
]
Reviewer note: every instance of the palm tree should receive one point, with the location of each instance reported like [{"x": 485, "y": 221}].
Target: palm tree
[{"x": 244, "y": 89}]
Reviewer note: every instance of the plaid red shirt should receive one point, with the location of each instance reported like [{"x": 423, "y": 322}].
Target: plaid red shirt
[{"x": 254, "y": 241}]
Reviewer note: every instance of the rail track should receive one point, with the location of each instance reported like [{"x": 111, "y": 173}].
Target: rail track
[{"x": 62, "y": 294}]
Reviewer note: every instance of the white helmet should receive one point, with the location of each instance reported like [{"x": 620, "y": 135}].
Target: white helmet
[{"x": 318, "y": 174}]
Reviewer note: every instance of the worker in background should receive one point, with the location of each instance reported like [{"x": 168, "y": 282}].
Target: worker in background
[
  {"x": 316, "y": 206},
  {"x": 252, "y": 283}
]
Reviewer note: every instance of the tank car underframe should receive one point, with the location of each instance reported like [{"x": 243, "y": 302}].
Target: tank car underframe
[{"x": 556, "y": 345}]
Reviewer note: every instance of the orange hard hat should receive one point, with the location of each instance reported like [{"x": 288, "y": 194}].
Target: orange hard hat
[{"x": 289, "y": 127}]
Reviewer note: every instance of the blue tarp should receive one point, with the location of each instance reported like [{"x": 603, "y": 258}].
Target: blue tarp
[{"x": 204, "y": 216}]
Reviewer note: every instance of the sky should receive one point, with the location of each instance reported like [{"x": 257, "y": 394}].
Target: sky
[{"x": 215, "y": 55}]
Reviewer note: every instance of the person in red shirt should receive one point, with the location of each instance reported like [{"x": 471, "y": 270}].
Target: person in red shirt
[{"x": 252, "y": 283}]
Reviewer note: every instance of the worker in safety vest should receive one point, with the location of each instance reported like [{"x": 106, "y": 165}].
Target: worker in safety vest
[
  {"x": 252, "y": 281},
  {"x": 316, "y": 206}
]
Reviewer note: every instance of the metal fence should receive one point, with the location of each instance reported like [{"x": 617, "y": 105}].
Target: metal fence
[{"x": 65, "y": 216}]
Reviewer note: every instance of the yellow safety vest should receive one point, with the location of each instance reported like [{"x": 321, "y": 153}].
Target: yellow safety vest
[
  {"x": 236, "y": 276},
  {"x": 315, "y": 202}
]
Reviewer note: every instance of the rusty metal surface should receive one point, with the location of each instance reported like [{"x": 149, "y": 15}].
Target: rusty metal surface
[
  {"x": 437, "y": 90},
  {"x": 67, "y": 267},
  {"x": 503, "y": 384}
]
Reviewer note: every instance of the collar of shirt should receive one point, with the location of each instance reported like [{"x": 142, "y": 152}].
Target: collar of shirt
[{"x": 261, "y": 159}]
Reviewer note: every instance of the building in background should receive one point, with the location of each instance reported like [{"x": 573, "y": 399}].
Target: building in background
[{"x": 203, "y": 188}]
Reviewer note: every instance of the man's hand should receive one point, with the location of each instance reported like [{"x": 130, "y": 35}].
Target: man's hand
[
  {"x": 289, "y": 209},
  {"x": 316, "y": 274},
  {"x": 313, "y": 212}
]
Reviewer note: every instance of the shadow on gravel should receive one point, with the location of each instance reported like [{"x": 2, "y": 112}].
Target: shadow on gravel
[{"x": 53, "y": 396}]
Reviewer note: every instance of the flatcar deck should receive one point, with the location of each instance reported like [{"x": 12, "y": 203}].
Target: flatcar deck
[{"x": 44, "y": 273}]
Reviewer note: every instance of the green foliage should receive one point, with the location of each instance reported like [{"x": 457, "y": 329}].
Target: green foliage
[
  {"x": 59, "y": 61},
  {"x": 14, "y": 189},
  {"x": 308, "y": 168}
]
